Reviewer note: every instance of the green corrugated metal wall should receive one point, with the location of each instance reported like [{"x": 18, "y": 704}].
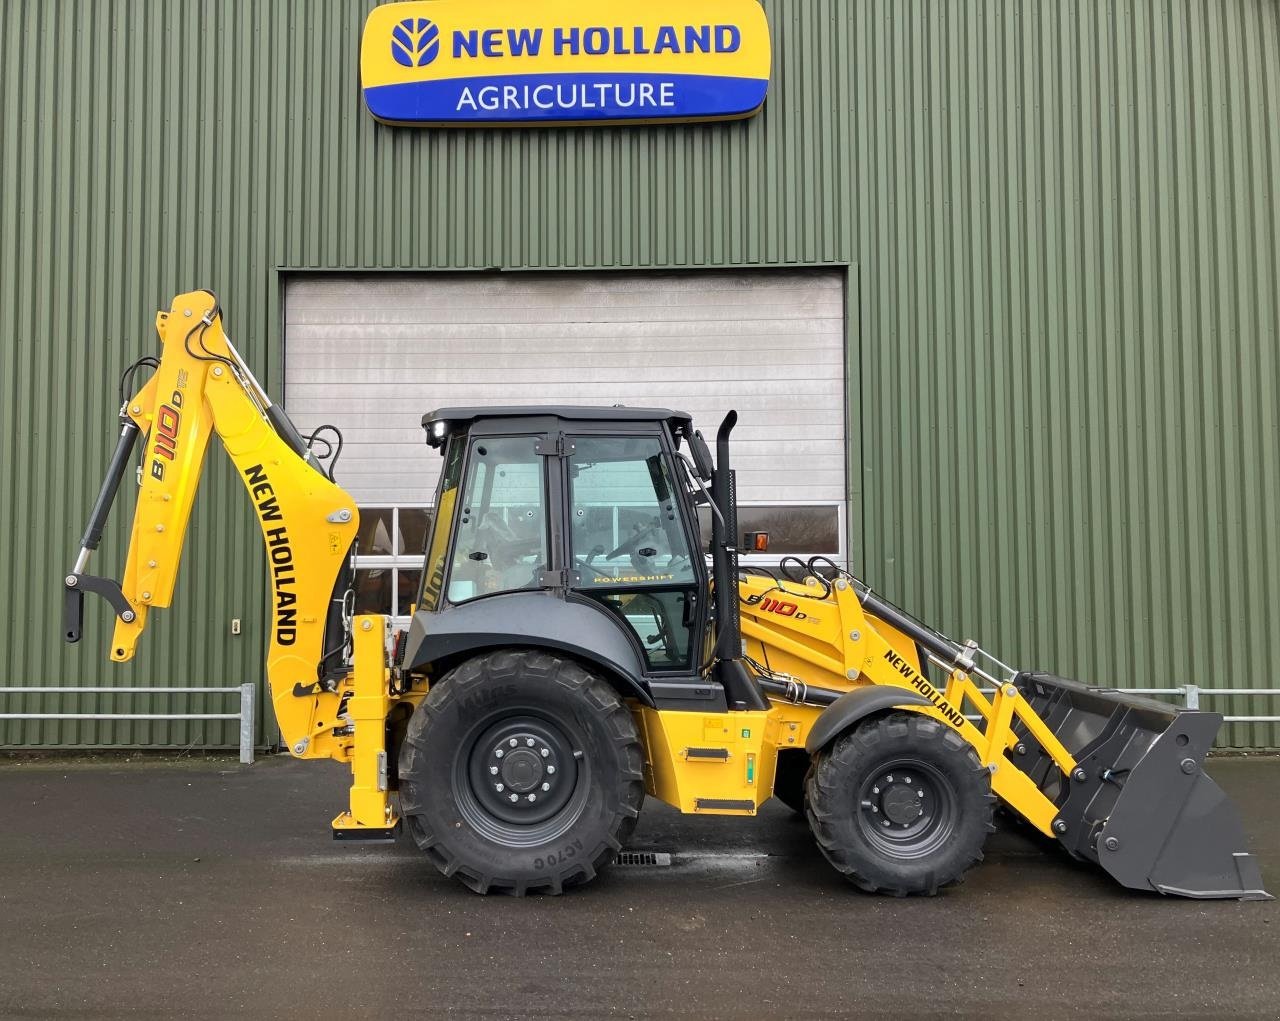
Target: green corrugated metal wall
[{"x": 1063, "y": 218}]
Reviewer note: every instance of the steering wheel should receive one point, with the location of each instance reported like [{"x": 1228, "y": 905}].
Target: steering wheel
[
  {"x": 495, "y": 537},
  {"x": 632, "y": 546}
]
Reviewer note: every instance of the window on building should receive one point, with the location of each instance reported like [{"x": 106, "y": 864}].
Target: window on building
[
  {"x": 801, "y": 530},
  {"x": 389, "y": 559}
]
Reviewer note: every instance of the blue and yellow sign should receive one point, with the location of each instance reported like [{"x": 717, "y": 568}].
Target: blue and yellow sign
[{"x": 558, "y": 61}]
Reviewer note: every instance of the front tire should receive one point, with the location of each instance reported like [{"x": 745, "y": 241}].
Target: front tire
[
  {"x": 520, "y": 772},
  {"x": 900, "y": 805}
]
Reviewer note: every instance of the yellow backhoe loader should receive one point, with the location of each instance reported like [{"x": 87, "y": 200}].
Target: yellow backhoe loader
[{"x": 576, "y": 644}]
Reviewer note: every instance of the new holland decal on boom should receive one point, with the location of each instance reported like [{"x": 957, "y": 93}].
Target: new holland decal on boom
[{"x": 279, "y": 554}]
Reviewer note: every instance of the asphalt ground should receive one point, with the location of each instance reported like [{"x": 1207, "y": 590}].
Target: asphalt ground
[{"x": 181, "y": 888}]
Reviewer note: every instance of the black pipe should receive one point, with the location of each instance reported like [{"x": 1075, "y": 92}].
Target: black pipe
[
  {"x": 740, "y": 688},
  {"x": 808, "y": 694},
  {"x": 724, "y": 527},
  {"x": 107, "y": 494},
  {"x": 940, "y": 645}
]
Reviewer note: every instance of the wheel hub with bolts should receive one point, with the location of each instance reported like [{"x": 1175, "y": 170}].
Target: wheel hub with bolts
[
  {"x": 522, "y": 770},
  {"x": 895, "y": 800},
  {"x": 524, "y": 767},
  {"x": 906, "y": 809}
]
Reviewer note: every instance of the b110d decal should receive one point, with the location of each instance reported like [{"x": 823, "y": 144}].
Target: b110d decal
[
  {"x": 779, "y": 608},
  {"x": 564, "y": 61},
  {"x": 165, "y": 434}
]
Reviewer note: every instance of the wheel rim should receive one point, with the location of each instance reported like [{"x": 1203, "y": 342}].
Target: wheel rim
[
  {"x": 519, "y": 780},
  {"x": 907, "y": 809}
]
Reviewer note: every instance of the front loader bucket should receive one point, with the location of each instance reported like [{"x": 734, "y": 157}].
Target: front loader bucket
[{"x": 1139, "y": 802}]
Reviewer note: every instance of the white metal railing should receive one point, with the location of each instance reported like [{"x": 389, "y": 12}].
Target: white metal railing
[
  {"x": 1191, "y": 695},
  {"x": 245, "y": 715}
]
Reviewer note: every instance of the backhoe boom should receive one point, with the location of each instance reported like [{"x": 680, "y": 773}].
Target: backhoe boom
[{"x": 200, "y": 387}]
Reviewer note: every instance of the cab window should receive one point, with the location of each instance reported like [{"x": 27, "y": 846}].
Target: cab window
[
  {"x": 626, "y": 528},
  {"x": 628, "y": 542},
  {"x": 501, "y": 542}
]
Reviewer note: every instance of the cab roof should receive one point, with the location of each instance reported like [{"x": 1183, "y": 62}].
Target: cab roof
[{"x": 463, "y": 417}]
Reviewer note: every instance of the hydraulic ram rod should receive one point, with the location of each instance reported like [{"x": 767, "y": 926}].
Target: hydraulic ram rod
[
  {"x": 944, "y": 648},
  {"x": 107, "y": 494},
  {"x": 280, "y": 421}
]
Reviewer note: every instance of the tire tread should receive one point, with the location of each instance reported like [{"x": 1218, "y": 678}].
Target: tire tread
[
  {"x": 826, "y": 793},
  {"x": 580, "y": 683}
]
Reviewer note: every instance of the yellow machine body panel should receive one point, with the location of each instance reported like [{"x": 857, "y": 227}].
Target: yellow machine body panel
[{"x": 710, "y": 763}]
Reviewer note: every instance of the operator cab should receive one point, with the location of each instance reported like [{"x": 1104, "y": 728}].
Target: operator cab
[{"x": 588, "y": 505}]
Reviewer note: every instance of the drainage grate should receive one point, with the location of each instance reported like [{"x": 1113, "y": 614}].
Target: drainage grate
[{"x": 638, "y": 858}]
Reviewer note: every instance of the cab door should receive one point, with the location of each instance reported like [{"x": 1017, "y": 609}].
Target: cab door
[
  {"x": 631, "y": 547},
  {"x": 500, "y": 536}
]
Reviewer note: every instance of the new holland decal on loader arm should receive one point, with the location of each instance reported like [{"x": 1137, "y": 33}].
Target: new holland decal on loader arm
[{"x": 571, "y": 649}]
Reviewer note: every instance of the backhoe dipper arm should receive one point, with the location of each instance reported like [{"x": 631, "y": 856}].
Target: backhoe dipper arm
[{"x": 200, "y": 387}]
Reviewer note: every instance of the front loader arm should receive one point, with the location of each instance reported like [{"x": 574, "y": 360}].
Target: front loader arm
[
  {"x": 1116, "y": 779},
  {"x": 308, "y": 523},
  {"x": 826, "y": 636}
]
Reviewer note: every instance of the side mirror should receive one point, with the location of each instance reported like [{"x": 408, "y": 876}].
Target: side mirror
[{"x": 701, "y": 456}]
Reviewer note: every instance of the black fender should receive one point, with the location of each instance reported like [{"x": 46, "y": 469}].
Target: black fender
[
  {"x": 540, "y": 620},
  {"x": 856, "y": 705}
]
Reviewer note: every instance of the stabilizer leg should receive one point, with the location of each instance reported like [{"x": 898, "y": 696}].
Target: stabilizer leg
[{"x": 371, "y": 816}]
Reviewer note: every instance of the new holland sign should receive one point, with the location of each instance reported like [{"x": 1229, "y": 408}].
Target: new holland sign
[{"x": 575, "y": 61}]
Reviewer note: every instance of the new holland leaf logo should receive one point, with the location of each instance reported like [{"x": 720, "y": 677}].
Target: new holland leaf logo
[{"x": 415, "y": 42}]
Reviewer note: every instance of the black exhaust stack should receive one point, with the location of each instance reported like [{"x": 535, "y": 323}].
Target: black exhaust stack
[{"x": 740, "y": 689}]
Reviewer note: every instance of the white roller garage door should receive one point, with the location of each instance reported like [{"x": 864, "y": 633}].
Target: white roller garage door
[{"x": 370, "y": 354}]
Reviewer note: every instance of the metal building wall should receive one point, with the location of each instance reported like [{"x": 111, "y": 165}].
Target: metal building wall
[
  {"x": 1063, "y": 217},
  {"x": 1072, "y": 242}
]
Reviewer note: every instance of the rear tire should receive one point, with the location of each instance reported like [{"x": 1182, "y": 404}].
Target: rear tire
[
  {"x": 900, "y": 805},
  {"x": 520, "y": 772}
]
